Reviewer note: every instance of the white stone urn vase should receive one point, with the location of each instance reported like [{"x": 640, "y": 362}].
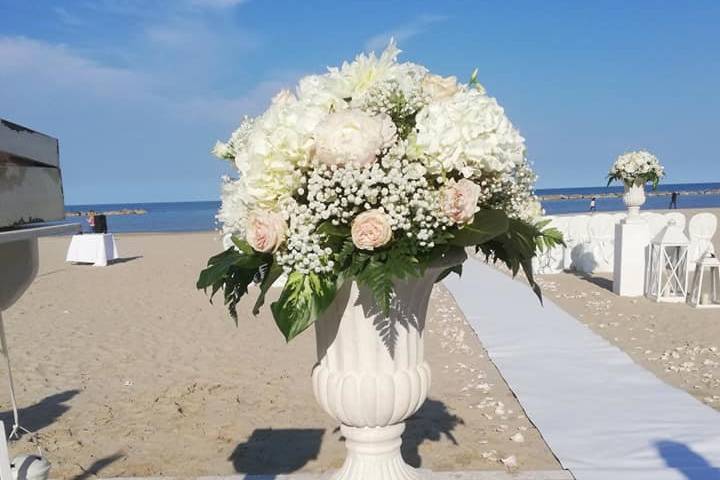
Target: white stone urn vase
[
  {"x": 634, "y": 198},
  {"x": 371, "y": 373}
]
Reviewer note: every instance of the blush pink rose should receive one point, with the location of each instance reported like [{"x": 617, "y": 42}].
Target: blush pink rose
[
  {"x": 370, "y": 230},
  {"x": 458, "y": 200},
  {"x": 265, "y": 231}
]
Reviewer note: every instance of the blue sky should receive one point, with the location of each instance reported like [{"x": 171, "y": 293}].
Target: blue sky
[{"x": 138, "y": 91}]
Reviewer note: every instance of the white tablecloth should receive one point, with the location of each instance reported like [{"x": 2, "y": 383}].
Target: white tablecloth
[{"x": 95, "y": 248}]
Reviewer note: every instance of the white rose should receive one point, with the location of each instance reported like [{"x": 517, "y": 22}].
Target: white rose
[
  {"x": 458, "y": 200},
  {"x": 370, "y": 230},
  {"x": 352, "y": 137},
  {"x": 265, "y": 231},
  {"x": 438, "y": 87}
]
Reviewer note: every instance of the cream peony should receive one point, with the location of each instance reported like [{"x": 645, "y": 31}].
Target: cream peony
[
  {"x": 265, "y": 231},
  {"x": 353, "y": 137},
  {"x": 371, "y": 229},
  {"x": 459, "y": 200},
  {"x": 437, "y": 87}
]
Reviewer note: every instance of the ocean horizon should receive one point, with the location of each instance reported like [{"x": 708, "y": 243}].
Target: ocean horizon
[{"x": 198, "y": 216}]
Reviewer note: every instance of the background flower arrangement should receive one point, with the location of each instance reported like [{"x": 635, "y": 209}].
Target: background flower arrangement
[
  {"x": 370, "y": 173},
  {"x": 636, "y": 167}
]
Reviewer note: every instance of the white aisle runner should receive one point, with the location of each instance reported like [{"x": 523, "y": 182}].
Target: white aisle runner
[{"x": 604, "y": 417}]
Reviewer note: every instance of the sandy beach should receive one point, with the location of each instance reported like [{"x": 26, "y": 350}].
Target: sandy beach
[
  {"x": 128, "y": 370},
  {"x": 680, "y": 344}
]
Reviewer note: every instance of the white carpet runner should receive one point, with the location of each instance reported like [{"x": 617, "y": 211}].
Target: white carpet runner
[{"x": 604, "y": 416}]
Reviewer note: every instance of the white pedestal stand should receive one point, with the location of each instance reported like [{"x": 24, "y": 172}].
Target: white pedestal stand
[
  {"x": 19, "y": 261},
  {"x": 632, "y": 238}
]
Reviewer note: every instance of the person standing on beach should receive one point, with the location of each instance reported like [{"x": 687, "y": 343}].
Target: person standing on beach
[
  {"x": 91, "y": 220},
  {"x": 592, "y": 205},
  {"x": 674, "y": 199}
]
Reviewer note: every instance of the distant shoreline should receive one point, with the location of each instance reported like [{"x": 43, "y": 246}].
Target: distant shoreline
[
  {"x": 651, "y": 193},
  {"x": 123, "y": 211}
]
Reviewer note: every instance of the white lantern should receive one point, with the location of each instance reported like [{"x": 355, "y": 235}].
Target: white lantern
[
  {"x": 667, "y": 271},
  {"x": 700, "y": 297}
]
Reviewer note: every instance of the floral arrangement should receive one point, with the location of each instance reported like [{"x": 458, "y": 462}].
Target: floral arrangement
[
  {"x": 636, "y": 167},
  {"x": 370, "y": 173}
]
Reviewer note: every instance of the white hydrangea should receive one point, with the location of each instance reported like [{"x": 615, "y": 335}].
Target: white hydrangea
[
  {"x": 467, "y": 132},
  {"x": 233, "y": 211},
  {"x": 279, "y": 142}
]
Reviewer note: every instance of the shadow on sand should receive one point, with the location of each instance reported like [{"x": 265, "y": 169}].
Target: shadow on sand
[
  {"x": 40, "y": 415},
  {"x": 123, "y": 260},
  {"x": 97, "y": 466},
  {"x": 271, "y": 452},
  {"x": 602, "y": 282},
  {"x": 276, "y": 451},
  {"x": 431, "y": 423}
]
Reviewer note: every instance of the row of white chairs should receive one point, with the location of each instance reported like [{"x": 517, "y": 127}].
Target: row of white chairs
[{"x": 590, "y": 239}]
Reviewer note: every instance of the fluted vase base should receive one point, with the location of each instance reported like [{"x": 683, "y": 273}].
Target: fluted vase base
[
  {"x": 634, "y": 198},
  {"x": 374, "y": 453}
]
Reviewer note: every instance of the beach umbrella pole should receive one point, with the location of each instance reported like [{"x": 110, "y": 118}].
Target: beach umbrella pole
[{"x": 16, "y": 428}]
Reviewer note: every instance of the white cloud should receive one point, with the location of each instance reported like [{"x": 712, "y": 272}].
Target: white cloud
[
  {"x": 403, "y": 32},
  {"x": 153, "y": 135},
  {"x": 57, "y": 67},
  {"x": 57, "y": 71}
]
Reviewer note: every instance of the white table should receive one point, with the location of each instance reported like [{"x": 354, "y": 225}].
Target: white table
[{"x": 95, "y": 248}]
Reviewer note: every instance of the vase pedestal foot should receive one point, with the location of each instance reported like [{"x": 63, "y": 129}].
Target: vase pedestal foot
[{"x": 374, "y": 453}]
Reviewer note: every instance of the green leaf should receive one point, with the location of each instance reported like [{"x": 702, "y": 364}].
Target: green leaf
[
  {"x": 274, "y": 272},
  {"x": 377, "y": 278},
  {"x": 486, "y": 225},
  {"x": 516, "y": 249},
  {"x": 345, "y": 253},
  {"x": 235, "y": 287},
  {"x": 243, "y": 246},
  {"x": 454, "y": 269},
  {"x": 329, "y": 229},
  {"x": 217, "y": 268},
  {"x": 402, "y": 266},
  {"x": 232, "y": 271},
  {"x": 304, "y": 298}
]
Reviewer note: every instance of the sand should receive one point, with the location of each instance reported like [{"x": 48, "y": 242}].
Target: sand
[
  {"x": 680, "y": 344},
  {"x": 128, "y": 370}
]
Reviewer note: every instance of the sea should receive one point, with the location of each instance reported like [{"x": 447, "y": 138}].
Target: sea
[{"x": 200, "y": 216}]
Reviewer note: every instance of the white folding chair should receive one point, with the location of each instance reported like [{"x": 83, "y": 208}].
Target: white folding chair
[
  {"x": 601, "y": 249},
  {"x": 701, "y": 229},
  {"x": 656, "y": 222},
  {"x": 678, "y": 218},
  {"x": 577, "y": 235}
]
